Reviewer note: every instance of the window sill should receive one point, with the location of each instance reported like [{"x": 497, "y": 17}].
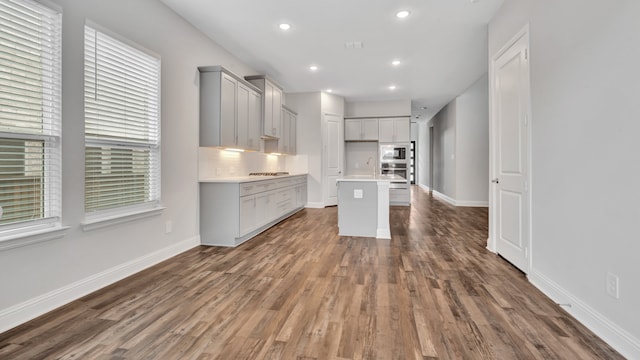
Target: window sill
[
  {"x": 93, "y": 223},
  {"x": 32, "y": 237}
]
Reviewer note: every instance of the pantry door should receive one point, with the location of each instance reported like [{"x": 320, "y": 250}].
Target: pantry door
[
  {"x": 333, "y": 148},
  {"x": 511, "y": 126}
]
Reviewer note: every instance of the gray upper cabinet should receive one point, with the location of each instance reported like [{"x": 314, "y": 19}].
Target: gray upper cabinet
[
  {"x": 230, "y": 110},
  {"x": 288, "y": 131},
  {"x": 394, "y": 129},
  {"x": 271, "y": 105},
  {"x": 361, "y": 129}
]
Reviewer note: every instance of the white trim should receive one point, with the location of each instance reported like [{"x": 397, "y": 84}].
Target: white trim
[
  {"x": 491, "y": 240},
  {"x": 315, "y": 205},
  {"x": 33, "y": 237},
  {"x": 32, "y": 308},
  {"x": 424, "y": 187},
  {"x": 92, "y": 223},
  {"x": 472, "y": 203},
  {"x": 444, "y": 197},
  {"x": 618, "y": 338}
]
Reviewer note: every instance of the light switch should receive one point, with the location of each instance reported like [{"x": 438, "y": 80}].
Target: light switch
[{"x": 357, "y": 193}]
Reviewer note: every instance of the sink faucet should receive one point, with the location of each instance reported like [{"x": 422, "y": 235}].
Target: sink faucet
[{"x": 371, "y": 162}]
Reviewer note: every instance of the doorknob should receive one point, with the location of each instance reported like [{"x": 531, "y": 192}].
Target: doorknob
[{"x": 495, "y": 181}]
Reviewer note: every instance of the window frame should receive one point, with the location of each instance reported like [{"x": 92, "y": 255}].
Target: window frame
[
  {"x": 48, "y": 226},
  {"x": 115, "y": 215}
]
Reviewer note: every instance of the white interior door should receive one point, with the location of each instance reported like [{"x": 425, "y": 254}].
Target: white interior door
[
  {"x": 333, "y": 145},
  {"x": 511, "y": 155}
]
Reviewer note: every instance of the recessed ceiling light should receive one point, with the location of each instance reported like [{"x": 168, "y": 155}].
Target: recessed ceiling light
[
  {"x": 395, "y": 62},
  {"x": 392, "y": 87},
  {"x": 402, "y": 14},
  {"x": 313, "y": 68},
  {"x": 285, "y": 26},
  {"x": 329, "y": 90}
]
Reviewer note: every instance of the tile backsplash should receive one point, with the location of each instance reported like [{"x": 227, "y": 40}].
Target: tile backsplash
[{"x": 216, "y": 163}]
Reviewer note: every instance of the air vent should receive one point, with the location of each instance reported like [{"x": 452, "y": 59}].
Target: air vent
[{"x": 353, "y": 45}]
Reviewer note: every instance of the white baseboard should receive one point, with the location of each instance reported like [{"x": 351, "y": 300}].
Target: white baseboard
[
  {"x": 444, "y": 197},
  {"x": 625, "y": 343},
  {"x": 30, "y": 309},
  {"x": 455, "y": 202},
  {"x": 472, "y": 203},
  {"x": 424, "y": 187},
  {"x": 315, "y": 205}
]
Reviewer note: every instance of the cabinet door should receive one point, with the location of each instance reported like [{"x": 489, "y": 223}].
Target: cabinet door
[
  {"x": 402, "y": 130},
  {"x": 353, "y": 129},
  {"x": 247, "y": 214},
  {"x": 228, "y": 94},
  {"x": 370, "y": 129},
  {"x": 268, "y": 128},
  {"x": 242, "y": 116},
  {"x": 255, "y": 121},
  {"x": 277, "y": 110},
  {"x": 293, "y": 134},
  {"x": 283, "y": 141},
  {"x": 385, "y": 130},
  {"x": 265, "y": 206}
]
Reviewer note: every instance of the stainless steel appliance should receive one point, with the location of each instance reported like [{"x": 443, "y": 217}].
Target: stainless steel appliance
[
  {"x": 394, "y": 160},
  {"x": 394, "y": 152}
]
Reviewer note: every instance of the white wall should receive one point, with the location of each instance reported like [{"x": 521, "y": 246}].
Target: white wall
[
  {"x": 215, "y": 163},
  {"x": 378, "y": 108},
  {"x": 31, "y": 276},
  {"x": 358, "y": 154},
  {"x": 585, "y": 172},
  {"x": 309, "y": 141},
  {"x": 472, "y": 144}
]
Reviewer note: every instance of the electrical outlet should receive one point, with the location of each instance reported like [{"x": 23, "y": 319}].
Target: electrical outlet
[
  {"x": 357, "y": 193},
  {"x": 168, "y": 227},
  {"x": 613, "y": 285}
]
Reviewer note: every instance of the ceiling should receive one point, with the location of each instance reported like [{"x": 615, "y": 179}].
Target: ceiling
[{"x": 442, "y": 44}]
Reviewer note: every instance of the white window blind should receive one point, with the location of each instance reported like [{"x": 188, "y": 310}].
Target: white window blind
[
  {"x": 122, "y": 124},
  {"x": 30, "y": 96}
]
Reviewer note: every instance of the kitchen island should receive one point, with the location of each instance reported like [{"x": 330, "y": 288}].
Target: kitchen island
[{"x": 363, "y": 205}]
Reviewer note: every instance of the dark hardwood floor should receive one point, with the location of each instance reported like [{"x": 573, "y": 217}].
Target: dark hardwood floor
[{"x": 298, "y": 291}]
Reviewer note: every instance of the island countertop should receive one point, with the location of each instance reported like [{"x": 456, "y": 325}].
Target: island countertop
[{"x": 390, "y": 178}]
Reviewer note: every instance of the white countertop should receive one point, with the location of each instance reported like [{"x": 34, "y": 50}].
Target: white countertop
[
  {"x": 390, "y": 178},
  {"x": 244, "y": 179}
]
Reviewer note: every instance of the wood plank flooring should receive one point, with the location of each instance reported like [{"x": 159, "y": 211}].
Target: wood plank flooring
[{"x": 299, "y": 291}]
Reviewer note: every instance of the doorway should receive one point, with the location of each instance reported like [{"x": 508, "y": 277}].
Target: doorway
[
  {"x": 332, "y": 153},
  {"x": 510, "y": 163}
]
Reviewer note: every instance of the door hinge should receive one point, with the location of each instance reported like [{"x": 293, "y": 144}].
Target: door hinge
[
  {"x": 526, "y": 54},
  {"x": 526, "y": 186},
  {"x": 526, "y": 120}
]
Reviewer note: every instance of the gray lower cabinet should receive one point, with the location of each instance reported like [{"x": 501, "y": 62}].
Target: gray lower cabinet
[{"x": 232, "y": 213}]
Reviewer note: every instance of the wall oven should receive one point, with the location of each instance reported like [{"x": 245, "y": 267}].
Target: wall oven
[
  {"x": 394, "y": 153},
  {"x": 400, "y": 169}
]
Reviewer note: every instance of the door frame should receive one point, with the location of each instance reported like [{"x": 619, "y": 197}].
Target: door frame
[
  {"x": 324, "y": 181},
  {"x": 524, "y": 33}
]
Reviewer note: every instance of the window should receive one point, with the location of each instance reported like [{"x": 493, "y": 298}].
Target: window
[
  {"x": 30, "y": 93},
  {"x": 122, "y": 125}
]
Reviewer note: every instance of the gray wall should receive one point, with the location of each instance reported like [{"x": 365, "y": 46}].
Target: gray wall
[
  {"x": 461, "y": 148},
  {"x": 444, "y": 151},
  {"x": 472, "y": 144},
  {"x": 585, "y": 173},
  {"x": 83, "y": 259}
]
